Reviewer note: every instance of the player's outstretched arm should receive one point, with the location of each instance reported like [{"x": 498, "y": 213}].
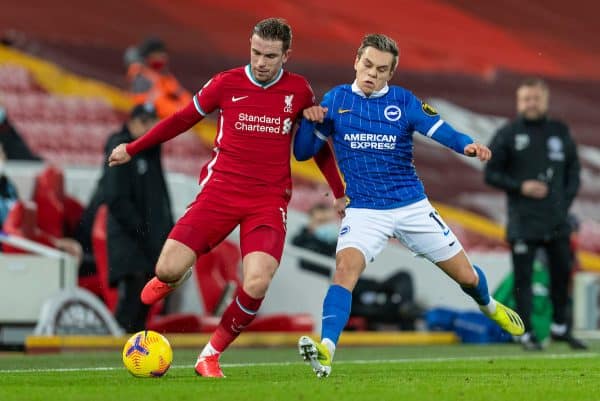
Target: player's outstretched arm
[
  {"x": 166, "y": 129},
  {"x": 460, "y": 143}
]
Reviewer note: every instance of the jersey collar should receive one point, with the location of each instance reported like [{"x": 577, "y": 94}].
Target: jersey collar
[
  {"x": 374, "y": 95},
  {"x": 259, "y": 84}
]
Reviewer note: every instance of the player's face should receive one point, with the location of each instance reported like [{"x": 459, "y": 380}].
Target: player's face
[
  {"x": 373, "y": 70},
  {"x": 532, "y": 102},
  {"x": 266, "y": 58}
]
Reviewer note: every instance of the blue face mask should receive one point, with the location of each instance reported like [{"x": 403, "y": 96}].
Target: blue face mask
[{"x": 327, "y": 232}]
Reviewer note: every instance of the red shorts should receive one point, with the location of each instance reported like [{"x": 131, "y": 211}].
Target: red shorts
[{"x": 215, "y": 214}]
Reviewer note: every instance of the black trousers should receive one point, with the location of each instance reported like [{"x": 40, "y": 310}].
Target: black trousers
[
  {"x": 131, "y": 313},
  {"x": 559, "y": 266}
]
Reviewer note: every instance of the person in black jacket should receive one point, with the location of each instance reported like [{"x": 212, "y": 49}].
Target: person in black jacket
[
  {"x": 535, "y": 162},
  {"x": 15, "y": 148},
  {"x": 139, "y": 218}
]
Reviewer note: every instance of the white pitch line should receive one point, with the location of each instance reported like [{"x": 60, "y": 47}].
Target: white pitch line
[{"x": 585, "y": 355}]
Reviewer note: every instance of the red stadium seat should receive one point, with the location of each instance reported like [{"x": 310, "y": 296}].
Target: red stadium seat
[
  {"x": 49, "y": 196},
  {"x": 175, "y": 323},
  {"x": 215, "y": 271},
  {"x": 101, "y": 255},
  {"x": 22, "y": 222},
  {"x": 58, "y": 213},
  {"x": 219, "y": 269},
  {"x": 15, "y": 78},
  {"x": 183, "y": 323},
  {"x": 72, "y": 216}
]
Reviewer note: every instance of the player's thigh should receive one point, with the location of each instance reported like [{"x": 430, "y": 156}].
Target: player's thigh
[
  {"x": 204, "y": 225},
  {"x": 365, "y": 230},
  {"x": 263, "y": 228},
  {"x": 422, "y": 230}
]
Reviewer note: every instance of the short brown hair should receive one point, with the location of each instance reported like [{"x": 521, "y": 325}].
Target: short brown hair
[
  {"x": 534, "y": 81},
  {"x": 274, "y": 29},
  {"x": 380, "y": 42}
]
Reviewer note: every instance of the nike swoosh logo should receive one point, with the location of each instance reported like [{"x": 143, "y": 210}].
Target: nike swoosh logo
[
  {"x": 327, "y": 317},
  {"x": 237, "y": 99},
  {"x": 446, "y": 233},
  {"x": 342, "y": 111}
]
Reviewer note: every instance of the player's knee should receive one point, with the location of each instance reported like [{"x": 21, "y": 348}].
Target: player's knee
[{"x": 257, "y": 285}]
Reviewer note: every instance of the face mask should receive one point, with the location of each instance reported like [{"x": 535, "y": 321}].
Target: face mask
[
  {"x": 327, "y": 232},
  {"x": 2, "y": 114},
  {"x": 157, "y": 64}
]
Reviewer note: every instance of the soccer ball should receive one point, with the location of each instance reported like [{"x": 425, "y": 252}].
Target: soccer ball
[{"x": 147, "y": 354}]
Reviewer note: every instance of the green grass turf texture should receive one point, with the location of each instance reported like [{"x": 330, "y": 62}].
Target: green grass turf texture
[{"x": 411, "y": 373}]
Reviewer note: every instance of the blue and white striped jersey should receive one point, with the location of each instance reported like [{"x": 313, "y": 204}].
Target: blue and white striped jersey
[{"x": 373, "y": 142}]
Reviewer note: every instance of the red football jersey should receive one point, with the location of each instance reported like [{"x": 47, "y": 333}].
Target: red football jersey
[{"x": 254, "y": 129}]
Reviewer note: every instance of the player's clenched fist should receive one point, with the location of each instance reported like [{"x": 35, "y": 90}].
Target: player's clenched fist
[
  {"x": 315, "y": 114},
  {"x": 118, "y": 156},
  {"x": 478, "y": 150}
]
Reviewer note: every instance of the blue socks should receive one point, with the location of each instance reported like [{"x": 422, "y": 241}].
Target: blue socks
[
  {"x": 336, "y": 311},
  {"x": 480, "y": 294}
]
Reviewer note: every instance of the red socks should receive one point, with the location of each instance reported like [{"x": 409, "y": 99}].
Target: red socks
[{"x": 239, "y": 314}]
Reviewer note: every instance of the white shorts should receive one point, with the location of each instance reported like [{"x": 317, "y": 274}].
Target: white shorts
[{"x": 418, "y": 226}]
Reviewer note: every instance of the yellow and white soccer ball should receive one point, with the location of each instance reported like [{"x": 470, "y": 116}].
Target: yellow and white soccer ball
[{"x": 147, "y": 354}]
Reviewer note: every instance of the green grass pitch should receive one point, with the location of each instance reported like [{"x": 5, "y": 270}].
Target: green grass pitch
[{"x": 409, "y": 373}]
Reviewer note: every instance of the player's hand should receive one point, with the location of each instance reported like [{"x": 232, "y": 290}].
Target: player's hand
[
  {"x": 478, "y": 150},
  {"x": 339, "y": 205},
  {"x": 316, "y": 114},
  {"x": 534, "y": 189},
  {"x": 118, "y": 156}
]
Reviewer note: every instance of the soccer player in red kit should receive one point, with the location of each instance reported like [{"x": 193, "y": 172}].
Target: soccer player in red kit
[{"x": 247, "y": 182}]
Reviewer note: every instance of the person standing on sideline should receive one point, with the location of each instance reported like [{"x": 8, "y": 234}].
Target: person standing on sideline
[
  {"x": 139, "y": 218},
  {"x": 535, "y": 162},
  {"x": 371, "y": 125},
  {"x": 247, "y": 182}
]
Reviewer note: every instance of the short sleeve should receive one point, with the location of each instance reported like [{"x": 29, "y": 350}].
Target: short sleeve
[
  {"x": 421, "y": 116},
  {"x": 208, "y": 98}
]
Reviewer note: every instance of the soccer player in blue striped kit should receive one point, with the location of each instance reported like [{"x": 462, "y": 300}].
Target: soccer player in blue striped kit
[{"x": 372, "y": 125}]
